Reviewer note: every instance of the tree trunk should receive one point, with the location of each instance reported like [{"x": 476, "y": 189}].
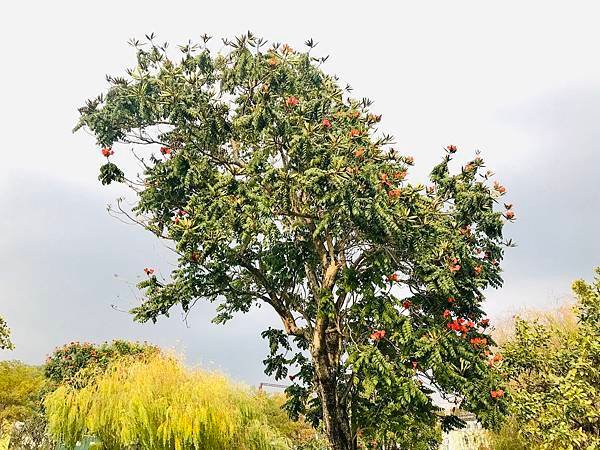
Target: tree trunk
[
  {"x": 335, "y": 411},
  {"x": 335, "y": 417}
]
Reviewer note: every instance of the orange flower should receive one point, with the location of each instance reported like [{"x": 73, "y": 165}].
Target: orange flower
[
  {"x": 377, "y": 335},
  {"x": 451, "y": 299},
  {"x": 393, "y": 277},
  {"x": 292, "y": 101},
  {"x": 498, "y": 187},
  {"x": 451, "y": 149},
  {"x": 477, "y": 269},
  {"x": 358, "y": 153},
  {"x": 286, "y": 49},
  {"x": 509, "y": 215},
  {"x": 165, "y": 150},
  {"x": 354, "y": 132},
  {"x": 326, "y": 123},
  {"x": 497, "y": 394},
  {"x": 394, "y": 193},
  {"x": 400, "y": 175},
  {"x": 106, "y": 152},
  {"x": 272, "y": 61}
]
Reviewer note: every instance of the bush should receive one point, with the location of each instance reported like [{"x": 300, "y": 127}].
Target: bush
[
  {"x": 157, "y": 403},
  {"x": 74, "y": 363},
  {"x": 554, "y": 371}
]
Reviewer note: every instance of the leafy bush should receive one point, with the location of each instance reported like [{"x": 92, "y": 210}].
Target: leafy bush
[
  {"x": 67, "y": 363},
  {"x": 157, "y": 403},
  {"x": 555, "y": 375}
]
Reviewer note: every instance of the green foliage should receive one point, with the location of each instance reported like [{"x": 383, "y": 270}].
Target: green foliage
[
  {"x": 20, "y": 392},
  {"x": 277, "y": 188},
  {"x": 555, "y": 376},
  {"x": 5, "y": 342},
  {"x": 76, "y": 362},
  {"x": 158, "y": 404}
]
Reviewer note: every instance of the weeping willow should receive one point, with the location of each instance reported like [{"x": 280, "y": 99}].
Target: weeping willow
[{"x": 158, "y": 404}]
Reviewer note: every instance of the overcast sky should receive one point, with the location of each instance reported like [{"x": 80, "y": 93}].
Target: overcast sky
[{"x": 518, "y": 80}]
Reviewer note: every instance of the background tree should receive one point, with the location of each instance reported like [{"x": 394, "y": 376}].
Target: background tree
[
  {"x": 555, "y": 377},
  {"x": 5, "y": 342},
  {"x": 277, "y": 188}
]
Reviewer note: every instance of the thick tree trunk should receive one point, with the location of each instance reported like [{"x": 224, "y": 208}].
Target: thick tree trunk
[
  {"x": 336, "y": 420},
  {"x": 335, "y": 417}
]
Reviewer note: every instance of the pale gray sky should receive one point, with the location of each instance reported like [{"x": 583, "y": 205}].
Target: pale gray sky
[{"x": 518, "y": 80}]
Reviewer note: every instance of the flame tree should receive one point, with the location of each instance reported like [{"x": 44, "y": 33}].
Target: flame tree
[{"x": 278, "y": 189}]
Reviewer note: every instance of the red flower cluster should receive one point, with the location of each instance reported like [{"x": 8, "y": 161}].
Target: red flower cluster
[
  {"x": 393, "y": 277},
  {"x": 165, "y": 150},
  {"x": 394, "y": 193},
  {"x": 377, "y": 335},
  {"x": 498, "y": 187},
  {"x": 478, "y": 342},
  {"x": 454, "y": 265},
  {"x": 496, "y": 358},
  {"x": 326, "y": 123},
  {"x": 148, "y": 271},
  {"x": 497, "y": 394},
  {"x": 406, "y": 304},
  {"x": 106, "y": 152},
  {"x": 446, "y": 314},
  {"x": 451, "y": 149},
  {"x": 292, "y": 101}
]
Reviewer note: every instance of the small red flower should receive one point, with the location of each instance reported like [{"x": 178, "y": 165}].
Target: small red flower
[
  {"x": 292, "y": 101},
  {"x": 451, "y": 300},
  {"x": 326, "y": 123},
  {"x": 165, "y": 150},
  {"x": 484, "y": 323},
  {"x": 394, "y": 193},
  {"x": 377, "y": 335},
  {"x": 497, "y": 394},
  {"x": 148, "y": 271},
  {"x": 446, "y": 314},
  {"x": 354, "y": 132},
  {"x": 454, "y": 268},
  {"x": 510, "y": 215},
  {"x": 477, "y": 269},
  {"x": 406, "y": 304},
  {"x": 106, "y": 152},
  {"x": 498, "y": 187},
  {"x": 451, "y": 149},
  {"x": 393, "y": 277}
]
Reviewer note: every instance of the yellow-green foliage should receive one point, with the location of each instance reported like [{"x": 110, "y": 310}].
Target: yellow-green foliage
[
  {"x": 20, "y": 391},
  {"x": 159, "y": 404}
]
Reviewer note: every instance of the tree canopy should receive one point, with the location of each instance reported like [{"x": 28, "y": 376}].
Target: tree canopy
[{"x": 277, "y": 188}]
